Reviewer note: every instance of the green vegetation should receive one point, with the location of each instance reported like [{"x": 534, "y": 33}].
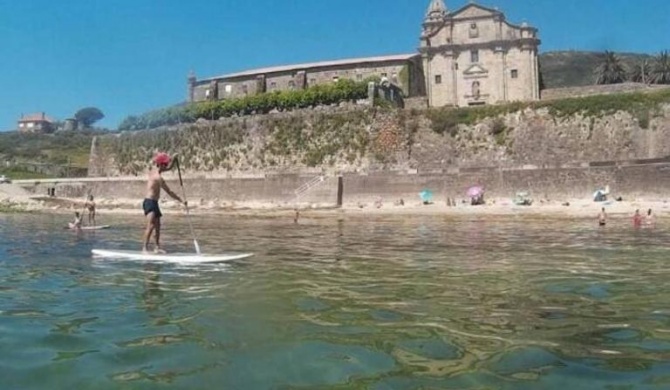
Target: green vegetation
[
  {"x": 640, "y": 105},
  {"x": 18, "y": 173},
  {"x": 575, "y": 68},
  {"x": 610, "y": 70},
  {"x": 343, "y": 90},
  {"x": 659, "y": 72},
  {"x": 9, "y": 207},
  {"x": 88, "y": 116},
  {"x": 61, "y": 148},
  {"x": 310, "y": 140}
]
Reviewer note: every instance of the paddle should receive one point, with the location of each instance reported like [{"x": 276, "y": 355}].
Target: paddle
[{"x": 188, "y": 215}]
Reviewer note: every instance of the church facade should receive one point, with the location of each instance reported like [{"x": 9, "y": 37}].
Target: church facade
[
  {"x": 469, "y": 57},
  {"x": 473, "y": 56}
]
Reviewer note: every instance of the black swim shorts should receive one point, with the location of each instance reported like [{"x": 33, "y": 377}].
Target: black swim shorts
[{"x": 151, "y": 206}]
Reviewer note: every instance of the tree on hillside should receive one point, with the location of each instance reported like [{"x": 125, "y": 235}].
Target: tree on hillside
[
  {"x": 611, "y": 70},
  {"x": 88, "y": 116},
  {"x": 640, "y": 72},
  {"x": 660, "y": 69}
]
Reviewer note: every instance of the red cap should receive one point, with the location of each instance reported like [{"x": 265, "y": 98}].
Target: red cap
[{"x": 162, "y": 159}]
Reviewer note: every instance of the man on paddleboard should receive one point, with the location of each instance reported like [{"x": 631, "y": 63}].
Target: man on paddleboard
[{"x": 155, "y": 182}]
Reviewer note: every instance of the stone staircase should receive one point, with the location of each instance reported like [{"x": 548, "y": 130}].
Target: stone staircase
[{"x": 314, "y": 182}]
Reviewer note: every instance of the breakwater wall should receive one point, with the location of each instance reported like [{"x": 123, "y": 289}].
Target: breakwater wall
[{"x": 632, "y": 179}]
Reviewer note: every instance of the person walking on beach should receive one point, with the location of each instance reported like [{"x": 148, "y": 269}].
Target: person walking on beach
[
  {"x": 155, "y": 183},
  {"x": 90, "y": 206},
  {"x": 602, "y": 217}
]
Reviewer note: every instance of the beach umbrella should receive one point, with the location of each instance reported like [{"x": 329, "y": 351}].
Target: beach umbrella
[
  {"x": 426, "y": 195},
  {"x": 475, "y": 191}
]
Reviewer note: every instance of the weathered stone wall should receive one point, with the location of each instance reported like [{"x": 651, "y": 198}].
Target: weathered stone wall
[
  {"x": 274, "y": 189},
  {"x": 648, "y": 180},
  {"x": 406, "y": 74},
  {"x": 358, "y": 139},
  {"x": 591, "y": 90}
]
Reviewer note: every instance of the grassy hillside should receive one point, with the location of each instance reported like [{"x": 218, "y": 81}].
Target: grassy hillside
[{"x": 575, "y": 68}]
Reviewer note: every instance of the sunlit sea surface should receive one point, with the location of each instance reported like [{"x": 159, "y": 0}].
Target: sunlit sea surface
[{"x": 360, "y": 303}]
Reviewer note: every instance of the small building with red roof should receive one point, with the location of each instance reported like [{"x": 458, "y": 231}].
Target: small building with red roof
[{"x": 36, "y": 123}]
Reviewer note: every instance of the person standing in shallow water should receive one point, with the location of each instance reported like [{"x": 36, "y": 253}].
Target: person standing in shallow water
[
  {"x": 650, "y": 221},
  {"x": 602, "y": 217},
  {"x": 155, "y": 183},
  {"x": 637, "y": 219}
]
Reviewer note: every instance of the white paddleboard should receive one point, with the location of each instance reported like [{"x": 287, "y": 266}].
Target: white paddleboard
[
  {"x": 168, "y": 257},
  {"x": 91, "y": 227}
]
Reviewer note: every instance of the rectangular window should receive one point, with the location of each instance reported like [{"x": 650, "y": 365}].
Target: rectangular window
[
  {"x": 359, "y": 77},
  {"x": 438, "y": 79},
  {"x": 474, "y": 56},
  {"x": 312, "y": 81},
  {"x": 336, "y": 79},
  {"x": 384, "y": 74},
  {"x": 455, "y": 65},
  {"x": 291, "y": 84},
  {"x": 515, "y": 73},
  {"x": 229, "y": 88},
  {"x": 273, "y": 85}
]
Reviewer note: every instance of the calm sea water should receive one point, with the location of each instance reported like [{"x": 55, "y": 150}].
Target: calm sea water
[{"x": 364, "y": 303}]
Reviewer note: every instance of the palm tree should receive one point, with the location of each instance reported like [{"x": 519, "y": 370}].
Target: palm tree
[
  {"x": 660, "y": 69},
  {"x": 611, "y": 70},
  {"x": 640, "y": 72}
]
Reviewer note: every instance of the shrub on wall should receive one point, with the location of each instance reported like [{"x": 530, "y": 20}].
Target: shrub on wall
[
  {"x": 343, "y": 90},
  {"x": 640, "y": 105}
]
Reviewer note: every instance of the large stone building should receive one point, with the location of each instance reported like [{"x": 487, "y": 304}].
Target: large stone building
[
  {"x": 468, "y": 57},
  {"x": 402, "y": 70},
  {"x": 473, "y": 56}
]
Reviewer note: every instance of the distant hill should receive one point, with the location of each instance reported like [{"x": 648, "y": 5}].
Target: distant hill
[{"x": 575, "y": 68}]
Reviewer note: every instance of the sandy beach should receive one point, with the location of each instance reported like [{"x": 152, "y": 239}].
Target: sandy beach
[{"x": 569, "y": 208}]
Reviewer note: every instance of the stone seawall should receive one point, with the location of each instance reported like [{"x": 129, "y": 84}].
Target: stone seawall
[
  {"x": 642, "y": 179},
  {"x": 371, "y": 140},
  {"x": 592, "y": 90}
]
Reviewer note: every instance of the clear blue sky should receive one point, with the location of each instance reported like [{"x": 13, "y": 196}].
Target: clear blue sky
[{"x": 129, "y": 56}]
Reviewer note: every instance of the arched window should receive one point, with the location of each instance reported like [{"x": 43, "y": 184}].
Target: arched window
[{"x": 475, "y": 89}]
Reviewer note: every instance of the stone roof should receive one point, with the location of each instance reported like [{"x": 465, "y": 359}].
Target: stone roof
[
  {"x": 38, "y": 117},
  {"x": 312, "y": 65}
]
